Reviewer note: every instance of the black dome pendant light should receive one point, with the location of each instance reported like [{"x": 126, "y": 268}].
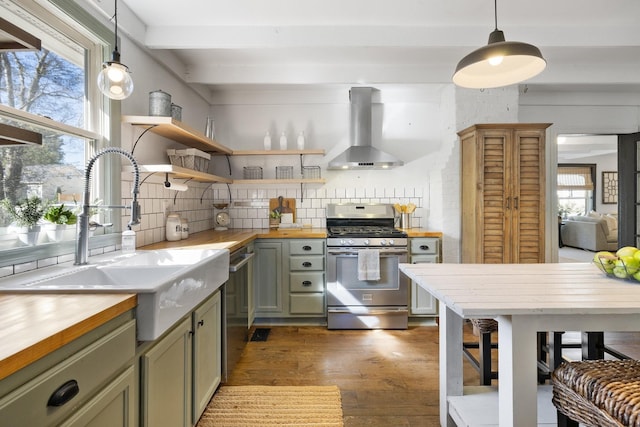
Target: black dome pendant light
[
  {"x": 499, "y": 63},
  {"x": 114, "y": 80}
]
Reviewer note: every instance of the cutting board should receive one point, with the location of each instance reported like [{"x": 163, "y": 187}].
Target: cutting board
[{"x": 288, "y": 206}]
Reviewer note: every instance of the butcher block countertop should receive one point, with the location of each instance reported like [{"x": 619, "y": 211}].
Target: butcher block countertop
[
  {"x": 32, "y": 326},
  {"x": 237, "y": 238}
]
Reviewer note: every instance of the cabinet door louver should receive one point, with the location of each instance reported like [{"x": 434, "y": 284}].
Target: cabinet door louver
[{"x": 503, "y": 193}]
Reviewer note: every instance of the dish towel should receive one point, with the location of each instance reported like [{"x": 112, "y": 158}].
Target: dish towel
[{"x": 368, "y": 264}]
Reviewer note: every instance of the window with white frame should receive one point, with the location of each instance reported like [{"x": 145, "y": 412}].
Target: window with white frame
[
  {"x": 49, "y": 91},
  {"x": 575, "y": 189}
]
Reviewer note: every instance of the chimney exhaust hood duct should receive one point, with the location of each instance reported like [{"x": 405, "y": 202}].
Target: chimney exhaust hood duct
[{"x": 361, "y": 154}]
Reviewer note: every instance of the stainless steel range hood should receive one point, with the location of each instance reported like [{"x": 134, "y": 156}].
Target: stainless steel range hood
[{"x": 361, "y": 154}]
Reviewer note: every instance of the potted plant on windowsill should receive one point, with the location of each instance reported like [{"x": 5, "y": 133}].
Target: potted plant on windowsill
[
  {"x": 58, "y": 217},
  {"x": 26, "y": 214}
]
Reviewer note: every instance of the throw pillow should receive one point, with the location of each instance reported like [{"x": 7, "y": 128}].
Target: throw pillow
[{"x": 612, "y": 223}]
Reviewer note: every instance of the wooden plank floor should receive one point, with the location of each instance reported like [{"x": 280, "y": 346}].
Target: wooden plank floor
[{"x": 387, "y": 378}]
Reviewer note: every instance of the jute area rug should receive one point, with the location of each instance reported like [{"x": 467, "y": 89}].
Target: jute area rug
[{"x": 251, "y": 406}]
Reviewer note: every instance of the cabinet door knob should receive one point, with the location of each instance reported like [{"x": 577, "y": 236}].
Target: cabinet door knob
[
  {"x": 64, "y": 393},
  {"x": 424, "y": 247},
  {"x": 306, "y": 283},
  {"x": 200, "y": 322},
  {"x": 306, "y": 248},
  {"x": 306, "y": 264}
]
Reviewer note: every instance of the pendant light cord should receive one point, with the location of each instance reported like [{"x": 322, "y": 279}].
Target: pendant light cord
[
  {"x": 495, "y": 12},
  {"x": 115, "y": 18}
]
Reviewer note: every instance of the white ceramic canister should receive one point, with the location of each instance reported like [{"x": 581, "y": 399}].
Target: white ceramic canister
[
  {"x": 159, "y": 103},
  {"x": 184, "y": 228},
  {"x": 173, "y": 228}
]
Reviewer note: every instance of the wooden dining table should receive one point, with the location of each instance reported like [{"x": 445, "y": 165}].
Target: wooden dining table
[{"x": 524, "y": 299}]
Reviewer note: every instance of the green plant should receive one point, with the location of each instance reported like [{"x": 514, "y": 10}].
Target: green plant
[
  {"x": 274, "y": 214},
  {"x": 59, "y": 214},
  {"x": 25, "y": 213}
]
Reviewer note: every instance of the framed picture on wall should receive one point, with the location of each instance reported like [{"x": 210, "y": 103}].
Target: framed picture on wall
[{"x": 609, "y": 187}]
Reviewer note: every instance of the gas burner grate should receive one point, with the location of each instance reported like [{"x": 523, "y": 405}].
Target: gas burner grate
[{"x": 364, "y": 231}]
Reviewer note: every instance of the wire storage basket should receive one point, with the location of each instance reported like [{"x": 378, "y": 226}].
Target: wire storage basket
[
  {"x": 311, "y": 172},
  {"x": 189, "y": 158},
  {"x": 252, "y": 172},
  {"x": 284, "y": 172}
]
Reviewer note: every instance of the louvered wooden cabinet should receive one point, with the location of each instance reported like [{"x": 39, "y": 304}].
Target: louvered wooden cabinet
[{"x": 503, "y": 193}]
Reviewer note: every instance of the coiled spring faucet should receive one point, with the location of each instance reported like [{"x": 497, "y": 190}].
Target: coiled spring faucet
[{"x": 82, "y": 246}]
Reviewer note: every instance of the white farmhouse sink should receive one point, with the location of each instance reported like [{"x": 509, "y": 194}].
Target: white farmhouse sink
[{"x": 169, "y": 283}]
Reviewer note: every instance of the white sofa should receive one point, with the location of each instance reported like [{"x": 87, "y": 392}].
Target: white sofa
[{"x": 593, "y": 232}]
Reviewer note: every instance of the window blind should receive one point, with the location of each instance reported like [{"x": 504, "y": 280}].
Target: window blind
[{"x": 574, "y": 178}]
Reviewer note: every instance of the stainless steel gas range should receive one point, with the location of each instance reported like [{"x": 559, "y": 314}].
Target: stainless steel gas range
[{"x": 365, "y": 289}]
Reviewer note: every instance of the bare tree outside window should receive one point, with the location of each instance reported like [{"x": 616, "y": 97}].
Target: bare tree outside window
[{"x": 49, "y": 85}]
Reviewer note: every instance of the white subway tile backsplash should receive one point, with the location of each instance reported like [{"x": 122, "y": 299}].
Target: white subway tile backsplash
[{"x": 196, "y": 205}]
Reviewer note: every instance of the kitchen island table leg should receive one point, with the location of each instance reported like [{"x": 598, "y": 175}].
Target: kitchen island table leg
[
  {"x": 517, "y": 365},
  {"x": 451, "y": 375}
]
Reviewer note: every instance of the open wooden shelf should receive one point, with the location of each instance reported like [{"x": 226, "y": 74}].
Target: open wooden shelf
[
  {"x": 280, "y": 181},
  {"x": 177, "y": 131},
  {"x": 277, "y": 152},
  {"x": 181, "y": 173}
]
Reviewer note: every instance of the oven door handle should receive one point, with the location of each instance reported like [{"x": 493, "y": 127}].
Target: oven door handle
[
  {"x": 355, "y": 253},
  {"x": 369, "y": 311},
  {"x": 244, "y": 259}
]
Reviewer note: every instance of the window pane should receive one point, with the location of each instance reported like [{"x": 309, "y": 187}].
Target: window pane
[
  {"x": 43, "y": 83},
  {"x": 50, "y": 85}
]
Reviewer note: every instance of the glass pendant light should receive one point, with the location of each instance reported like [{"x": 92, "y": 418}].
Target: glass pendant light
[
  {"x": 114, "y": 80},
  {"x": 499, "y": 63}
]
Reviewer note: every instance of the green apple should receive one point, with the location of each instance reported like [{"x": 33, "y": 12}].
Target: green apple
[
  {"x": 620, "y": 272},
  {"x": 626, "y": 251},
  {"x": 637, "y": 276},
  {"x": 605, "y": 261},
  {"x": 627, "y": 263}
]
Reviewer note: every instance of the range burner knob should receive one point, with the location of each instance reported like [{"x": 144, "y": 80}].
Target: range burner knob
[
  {"x": 383, "y": 242},
  {"x": 366, "y": 242},
  {"x": 391, "y": 242}
]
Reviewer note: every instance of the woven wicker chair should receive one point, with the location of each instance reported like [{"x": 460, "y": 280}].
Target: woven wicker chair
[{"x": 598, "y": 393}]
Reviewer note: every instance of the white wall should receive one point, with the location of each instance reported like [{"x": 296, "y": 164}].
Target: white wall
[{"x": 418, "y": 125}]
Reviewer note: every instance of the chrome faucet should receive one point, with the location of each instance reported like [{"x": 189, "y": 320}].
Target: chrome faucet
[{"x": 82, "y": 246}]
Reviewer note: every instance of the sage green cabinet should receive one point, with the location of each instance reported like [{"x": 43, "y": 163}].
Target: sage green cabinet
[
  {"x": 181, "y": 370},
  {"x": 207, "y": 353},
  {"x": 423, "y": 250},
  {"x": 114, "y": 406},
  {"x": 98, "y": 365},
  {"x": 268, "y": 278},
  {"x": 307, "y": 278},
  {"x": 289, "y": 278},
  {"x": 166, "y": 379}
]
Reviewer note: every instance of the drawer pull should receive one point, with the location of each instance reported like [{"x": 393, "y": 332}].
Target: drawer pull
[
  {"x": 64, "y": 393},
  {"x": 306, "y": 264},
  {"x": 424, "y": 247},
  {"x": 306, "y": 248},
  {"x": 306, "y": 283}
]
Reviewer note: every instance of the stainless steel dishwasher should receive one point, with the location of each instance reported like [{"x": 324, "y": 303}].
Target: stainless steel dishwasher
[{"x": 238, "y": 308}]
